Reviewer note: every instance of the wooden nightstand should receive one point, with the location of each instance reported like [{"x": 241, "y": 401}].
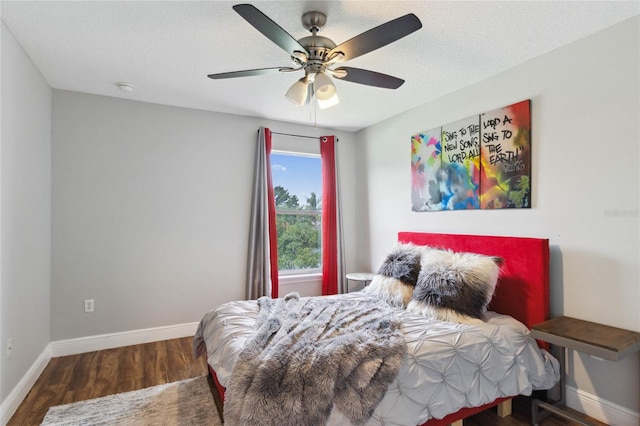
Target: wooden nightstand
[{"x": 594, "y": 339}]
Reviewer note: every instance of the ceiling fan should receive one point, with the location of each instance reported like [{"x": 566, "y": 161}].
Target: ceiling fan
[{"x": 318, "y": 56}]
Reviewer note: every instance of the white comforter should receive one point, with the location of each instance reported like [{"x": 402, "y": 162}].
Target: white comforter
[{"x": 447, "y": 366}]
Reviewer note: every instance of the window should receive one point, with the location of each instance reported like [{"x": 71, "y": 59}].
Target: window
[{"x": 297, "y": 182}]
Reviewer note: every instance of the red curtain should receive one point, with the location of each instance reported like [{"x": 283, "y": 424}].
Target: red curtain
[
  {"x": 329, "y": 217},
  {"x": 271, "y": 206}
]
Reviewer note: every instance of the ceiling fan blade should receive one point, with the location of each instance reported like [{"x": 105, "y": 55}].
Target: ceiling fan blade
[
  {"x": 370, "y": 78},
  {"x": 270, "y": 29},
  {"x": 249, "y": 73},
  {"x": 378, "y": 37}
]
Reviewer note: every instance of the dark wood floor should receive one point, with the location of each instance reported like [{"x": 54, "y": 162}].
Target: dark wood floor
[{"x": 95, "y": 374}]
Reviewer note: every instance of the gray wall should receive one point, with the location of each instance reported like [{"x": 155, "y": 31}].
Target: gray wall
[
  {"x": 25, "y": 214},
  {"x": 151, "y": 211},
  {"x": 585, "y": 142}
]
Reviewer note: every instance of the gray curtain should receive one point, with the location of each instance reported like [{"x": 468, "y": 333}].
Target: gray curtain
[{"x": 259, "y": 264}]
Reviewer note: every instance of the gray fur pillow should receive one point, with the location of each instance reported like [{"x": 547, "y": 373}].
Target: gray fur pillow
[
  {"x": 397, "y": 275},
  {"x": 455, "y": 287}
]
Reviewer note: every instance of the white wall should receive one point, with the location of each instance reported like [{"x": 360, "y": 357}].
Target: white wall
[
  {"x": 151, "y": 211},
  {"x": 585, "y": 142},
  {"x": 25, "y": 226}
]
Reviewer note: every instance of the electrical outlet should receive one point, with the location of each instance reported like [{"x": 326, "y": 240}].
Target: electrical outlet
[
  {"x": 9, "y": 347},
  {"x": 88, "y": 305}
]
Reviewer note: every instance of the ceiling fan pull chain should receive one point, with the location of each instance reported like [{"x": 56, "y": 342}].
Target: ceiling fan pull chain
[{"x": 315, "y": 113}]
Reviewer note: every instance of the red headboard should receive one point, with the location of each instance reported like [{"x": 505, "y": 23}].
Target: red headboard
[{"x": 523, "y": 287}]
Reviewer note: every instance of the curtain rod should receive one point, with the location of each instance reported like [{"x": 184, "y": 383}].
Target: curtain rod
[
  {"x": 299, "y": 136},
  {"x": 295, "y": 136}
]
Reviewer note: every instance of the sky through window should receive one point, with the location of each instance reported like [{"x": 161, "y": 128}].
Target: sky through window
[{"x": 298, "y": 174}]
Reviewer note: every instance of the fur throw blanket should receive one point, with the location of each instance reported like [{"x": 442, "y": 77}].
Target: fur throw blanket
[{"x": 309, "y": 354}]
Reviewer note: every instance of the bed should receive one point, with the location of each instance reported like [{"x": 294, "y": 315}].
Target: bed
[{"x": 448, "y": 371}]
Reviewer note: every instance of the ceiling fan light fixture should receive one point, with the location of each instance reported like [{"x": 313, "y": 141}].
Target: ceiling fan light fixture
[
  {"x": 298, "y": 92},
  {"x": 328, "y": 103},
  {"x": 324, "y": 87}
]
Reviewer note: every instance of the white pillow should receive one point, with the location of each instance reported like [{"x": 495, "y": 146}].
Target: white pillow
[
  {"x": 397, "y": 275},
  {"x": 455, "y": 287}
]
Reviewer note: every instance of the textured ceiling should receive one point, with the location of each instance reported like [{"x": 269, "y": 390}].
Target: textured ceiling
[{"x": 167, "y": 48}]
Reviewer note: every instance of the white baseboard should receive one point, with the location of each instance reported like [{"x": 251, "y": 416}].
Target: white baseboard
[
  {"x": 20, "y": 391},
  {"x": 125, "y": 338},
  {"x": 82, "y": 345},
  {"x": 601, "y": 409}
]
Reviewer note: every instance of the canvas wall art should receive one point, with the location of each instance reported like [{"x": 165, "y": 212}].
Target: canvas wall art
[{"x": 483, "y": 161}]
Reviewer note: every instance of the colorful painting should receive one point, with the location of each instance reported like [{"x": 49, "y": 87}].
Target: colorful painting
[
  {"x": 483, "y": 161},
  {"x": 506, "y": 157},
  {"x": 426, "y": 151},
  {"x": 460, "y": 169}
]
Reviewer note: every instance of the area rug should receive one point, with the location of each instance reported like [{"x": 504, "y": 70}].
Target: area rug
[{"x": 187, "y": 402}]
